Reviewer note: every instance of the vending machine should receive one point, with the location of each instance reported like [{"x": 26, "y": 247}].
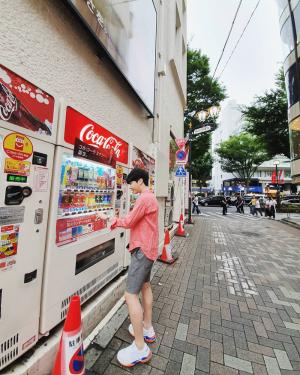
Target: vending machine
[
  {"x": 82, "y": 253},
  {"x": 28, "y": 118}
]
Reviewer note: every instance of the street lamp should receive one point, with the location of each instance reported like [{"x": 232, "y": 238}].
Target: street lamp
[
  {"x": 201, "y": 116},
  {"x": 276, "y": 162}
]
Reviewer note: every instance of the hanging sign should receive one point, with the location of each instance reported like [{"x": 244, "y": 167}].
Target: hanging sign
[{"x": 92, "y": 134}]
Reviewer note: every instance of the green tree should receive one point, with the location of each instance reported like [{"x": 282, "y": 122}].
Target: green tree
[
  {"x": 203, "y": 91},
  {"x": 267, "y": 119},
  {"x": 201, "y": 168},
  {"x": 241, "y": 155}
]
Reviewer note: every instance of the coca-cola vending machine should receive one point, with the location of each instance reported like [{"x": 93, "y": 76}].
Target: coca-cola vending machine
[
  {"x": 28, "y": 118},
  {"x": 82, "y": 254}
]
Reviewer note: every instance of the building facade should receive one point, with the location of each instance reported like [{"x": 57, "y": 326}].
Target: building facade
[
  {"x": 230, "y": 123},
  {"x": 120, "y": 66},
  {"x": 290, "y": 33}
]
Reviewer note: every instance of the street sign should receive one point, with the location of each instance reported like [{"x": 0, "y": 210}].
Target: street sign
[
  {"x": 204, "y": 129},
  {"x": 181, "y": 142},
  {"x": 180, "y": 172},
  {"x": 181, "y": 157}
]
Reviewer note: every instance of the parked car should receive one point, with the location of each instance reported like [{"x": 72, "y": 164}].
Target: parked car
[
  {"x": 295, "y": 200},
  {"x": 212, "y": 201}
]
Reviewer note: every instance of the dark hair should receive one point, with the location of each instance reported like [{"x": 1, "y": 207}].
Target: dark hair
[{"x": 136, "y": 174}]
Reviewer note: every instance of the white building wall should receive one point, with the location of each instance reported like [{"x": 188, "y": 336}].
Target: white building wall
[
  {"x": 45, "y": 42},
  {"x": 230, "y": 123}
]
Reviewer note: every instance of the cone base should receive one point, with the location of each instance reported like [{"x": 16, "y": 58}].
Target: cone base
[
  {"x": 181, "y": 234},
  {"x": 171, "y": 261}
]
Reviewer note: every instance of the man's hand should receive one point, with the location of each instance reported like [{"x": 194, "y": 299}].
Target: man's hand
[{"x": 102, "y": 215}]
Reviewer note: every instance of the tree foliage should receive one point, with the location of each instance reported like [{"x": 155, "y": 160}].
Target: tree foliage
[
  {"x": 203, "y": 91},
  {"x": 201, "y": 168},
  {"x": 241, "y": 155},
  {"x": 267, "y": 119}
]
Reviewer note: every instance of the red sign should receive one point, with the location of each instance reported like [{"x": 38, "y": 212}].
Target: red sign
[
  {"x": 180, "y": 142},
  {"x": 279, "y": 178},
  {"x": 89, "y": 132},
  {"x": 82, "y": 150},
  {"x": 70, "y": 229},
  {"x": 24, "y": 104}
]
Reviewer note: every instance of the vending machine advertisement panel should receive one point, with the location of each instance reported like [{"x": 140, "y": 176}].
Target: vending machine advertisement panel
[
  {"x": 28, "y": 123},
  {"x": 82, "y": 254},
  {"x": 26, "y": 108},
  {"x": 25, "y": 173},
  {"x": 141, "y": 160}
]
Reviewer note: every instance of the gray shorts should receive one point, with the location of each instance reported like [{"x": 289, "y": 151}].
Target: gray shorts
[{"x": 139, "y": 271}]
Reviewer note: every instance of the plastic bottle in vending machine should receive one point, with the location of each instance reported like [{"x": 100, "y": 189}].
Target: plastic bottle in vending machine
[
  {"x": 65, "y": 201},
  {"x": 77, "y": 200},
  {"x": 82, "y": 200},
  {"x": 91, "y": 200}
]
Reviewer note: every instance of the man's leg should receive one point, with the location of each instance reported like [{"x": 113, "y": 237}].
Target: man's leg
[
  {"x": 136, "y": 318},
  {"x": 147, "y": 298}
]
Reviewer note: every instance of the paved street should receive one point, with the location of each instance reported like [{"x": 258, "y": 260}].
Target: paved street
[{"x": 229, "y": 305}]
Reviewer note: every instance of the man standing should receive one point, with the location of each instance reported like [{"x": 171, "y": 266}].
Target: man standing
[
  {"x": 143, "y": 224},
  {"x": 224, "y": 205},
  {"x": 196, "y": 205}
]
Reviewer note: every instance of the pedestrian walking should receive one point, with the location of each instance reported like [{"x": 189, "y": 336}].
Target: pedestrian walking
[
  {"x": 224, "y": 205},
  {"x": 196, "y": 205},
  {"x": 272, "y": 205},
  {"x": 252, "y": 205},
  {"x": 240, "y": 204},
  {"x": 257, "y": 207},
  {"x": 143, "y": 246},
  {"x": 267, "y": 207}
]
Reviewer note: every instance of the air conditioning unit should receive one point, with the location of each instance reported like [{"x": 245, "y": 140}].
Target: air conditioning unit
[
  {"x": 170, "y": 197},
  {"x": 168, "y": 216}
]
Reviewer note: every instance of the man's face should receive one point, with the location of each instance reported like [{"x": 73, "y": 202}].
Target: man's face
[{"x": 135, "y": 186}]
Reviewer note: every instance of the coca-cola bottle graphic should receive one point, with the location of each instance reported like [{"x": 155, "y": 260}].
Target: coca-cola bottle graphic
[{"x": 12, "y": 110}]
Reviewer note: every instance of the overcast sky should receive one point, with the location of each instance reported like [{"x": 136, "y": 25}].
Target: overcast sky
[{"x": 257, "y": 58}]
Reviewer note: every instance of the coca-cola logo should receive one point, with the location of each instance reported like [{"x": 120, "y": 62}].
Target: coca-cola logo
[
  {"x": 90, "y": 136},
  {"x": 8, "y": 103}
]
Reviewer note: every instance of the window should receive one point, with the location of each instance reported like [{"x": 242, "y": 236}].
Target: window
[
  {"x": 294, "y": 128},
  {"x": 281, "y": 5},
  {"x": 291, "y": 85},
  {"x": 287, "y": 38},
  {"x": 268, "y": 174}
]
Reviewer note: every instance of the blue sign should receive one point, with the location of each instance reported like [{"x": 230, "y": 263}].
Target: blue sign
[
  {"x": 181, "y": 155},
  {"x": 77, "y": 362},
  {"x": 180, "y": 172}
]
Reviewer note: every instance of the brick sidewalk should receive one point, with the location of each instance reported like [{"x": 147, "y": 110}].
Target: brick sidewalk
[{"x": 229, "y": 305}]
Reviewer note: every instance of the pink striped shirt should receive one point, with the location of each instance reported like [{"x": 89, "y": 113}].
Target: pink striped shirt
[{"x": 142, "y": 221}]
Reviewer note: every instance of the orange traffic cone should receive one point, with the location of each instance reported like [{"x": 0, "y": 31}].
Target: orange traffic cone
[
  {"x": 180, "y": 230},
  {"x": 166, "y": 255},
  {"x": 69, "y": 358}
]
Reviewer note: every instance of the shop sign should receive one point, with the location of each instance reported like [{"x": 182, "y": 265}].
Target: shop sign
[
  {"x": 24, "y": 104},
  {"x": 89, "y": 132}
]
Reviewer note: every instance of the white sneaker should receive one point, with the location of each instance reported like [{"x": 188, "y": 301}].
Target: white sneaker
[
  {"x": 149, "y": 334},
  {"x": 131, "y": 356}
]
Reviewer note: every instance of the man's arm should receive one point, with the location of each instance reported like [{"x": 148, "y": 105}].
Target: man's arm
[{"x": 132, "y": 217}]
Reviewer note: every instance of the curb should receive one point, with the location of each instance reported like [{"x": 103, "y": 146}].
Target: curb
[{"x": 290, "y": 223}]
